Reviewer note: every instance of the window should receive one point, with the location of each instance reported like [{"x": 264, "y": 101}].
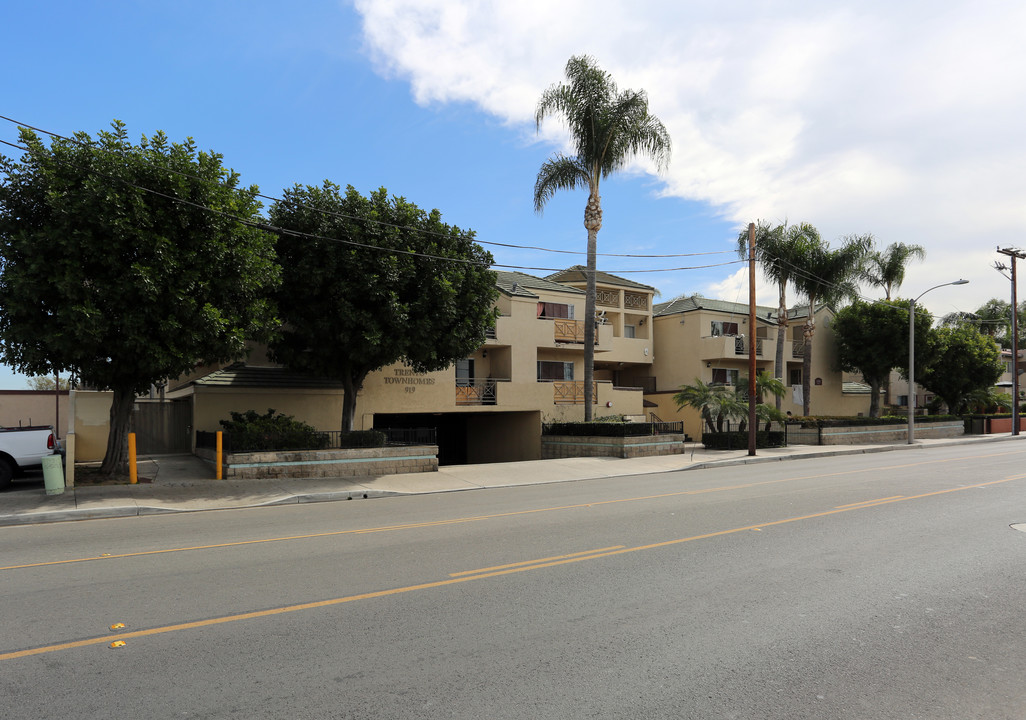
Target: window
[
  {"x": 628, "y": 331},
  {"x": 464, "y": 372},
  {"x": 554, "y": 370},
  {"x": 794, "y": 376},
  {"x": 903, "y": 400},
  {"x": 723, "y": 376},
  {"x": 547, "y": 310},
  {"x": 723, "y": 328}
]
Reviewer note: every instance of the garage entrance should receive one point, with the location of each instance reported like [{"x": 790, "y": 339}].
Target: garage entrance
[{"x": 472, "y": 438}]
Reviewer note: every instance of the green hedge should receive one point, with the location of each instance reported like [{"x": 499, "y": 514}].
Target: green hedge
[
  {"x": 739, "y": 440},
  {"x": 831, "y": 421},
  {"x": 252, "y": 432},
  {"x": 362, "y": 439},
  {"x": 600, "y": 429}
]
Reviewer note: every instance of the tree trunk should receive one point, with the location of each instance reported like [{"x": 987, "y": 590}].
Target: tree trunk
[
  {"x": 778, "y": 361},
  {"x": 116, "y": 459},
  {"x": 874, "y": 399},
  {"x": 809, "y": 332},
  {"x": 351, "y": 385},
  {"x": 593, "y": 222}
]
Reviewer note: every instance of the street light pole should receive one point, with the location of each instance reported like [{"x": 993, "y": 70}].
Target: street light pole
[{"x": 912, "y": 357}]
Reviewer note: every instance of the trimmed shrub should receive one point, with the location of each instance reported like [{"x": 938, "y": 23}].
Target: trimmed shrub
[
  {"x": 826, "y": 421},
  {"x": 252, "y": 432},
  {"x": 598, "y": 429},
  {"x": 362, "y": 439},
  {"x": 739, "y": 440}
]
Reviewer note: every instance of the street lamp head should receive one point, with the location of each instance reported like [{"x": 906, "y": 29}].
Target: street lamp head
[{"x": 960, "y": 282}]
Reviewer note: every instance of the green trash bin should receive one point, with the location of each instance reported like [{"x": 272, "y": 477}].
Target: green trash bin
[{"x": 53, "y": 474}]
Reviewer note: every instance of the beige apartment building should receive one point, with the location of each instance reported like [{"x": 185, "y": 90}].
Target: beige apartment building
[
  {"x": 490, "y": 406},
  {"x": 709, "y": 340}
]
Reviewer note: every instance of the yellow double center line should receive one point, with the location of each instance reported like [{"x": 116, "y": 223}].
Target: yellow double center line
[{"x": 468, "y": 576}]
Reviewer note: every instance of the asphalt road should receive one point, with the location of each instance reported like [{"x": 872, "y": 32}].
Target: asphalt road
[{"x": 869, "y": 586}]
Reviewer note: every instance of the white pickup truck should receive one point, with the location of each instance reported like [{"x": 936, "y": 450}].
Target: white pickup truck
[{"x": 24, "y": 447}]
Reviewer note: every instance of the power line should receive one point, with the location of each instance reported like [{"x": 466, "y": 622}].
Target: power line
[
  {"x": 329, "y": 213},
  {"x": 267, "y": 227}
]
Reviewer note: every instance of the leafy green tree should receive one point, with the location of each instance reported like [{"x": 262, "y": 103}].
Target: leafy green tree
[
  {"x": 872, "y": 339},
  {"x": 993, "y": 318},
  {"x": 48, "y": 382},
  {"x": 608, "y": 128},
  {"x": 827, "y": 275},
  {"x": 388, "y": 282},
  {"x": 886, "y": 268},
  {"x": 962, "y": 361},
  {"x": 127, "y": 264},
  {"x": 779, "y": 251}
]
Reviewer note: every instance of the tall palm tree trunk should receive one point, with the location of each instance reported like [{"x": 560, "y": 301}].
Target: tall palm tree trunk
[
  {"x": 778, "y": 361},
  {"x": 593, "y": 222},
  {"x": 809, "y": 332}
]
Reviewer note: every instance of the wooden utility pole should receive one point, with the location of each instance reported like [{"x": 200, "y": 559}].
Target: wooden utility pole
[
  {"x": 1014, "y": 253},
  {"x": 751, "y": 339}
]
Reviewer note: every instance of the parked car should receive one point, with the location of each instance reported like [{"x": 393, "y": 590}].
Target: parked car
[{"x": 24, "y": 447}]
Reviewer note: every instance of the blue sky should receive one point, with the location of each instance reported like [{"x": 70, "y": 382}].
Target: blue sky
[{"x": 855, "y": 117}]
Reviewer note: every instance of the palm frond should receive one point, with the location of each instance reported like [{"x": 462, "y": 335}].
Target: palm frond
[{"x": 559, "y": 172}]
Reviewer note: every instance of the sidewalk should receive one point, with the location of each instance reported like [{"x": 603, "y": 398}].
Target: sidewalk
[{"x": 184, "y": 483}]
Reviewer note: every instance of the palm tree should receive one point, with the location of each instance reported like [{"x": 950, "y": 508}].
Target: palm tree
[
  {"x": 608, "y": 128},
  {"x": 827, "y": 276},
  {"x": 779, "y": 251},
  {"x": 716, "y": 403},
  {"x": 886, "y": 268}
]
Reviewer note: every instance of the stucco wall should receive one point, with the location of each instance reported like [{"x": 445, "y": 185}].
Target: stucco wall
[{"x": 34, "y": 407}]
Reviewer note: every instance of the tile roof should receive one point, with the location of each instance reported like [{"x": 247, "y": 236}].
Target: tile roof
[
  {"x": 241, "y": 375},
  {"x": 577, "y": 274},
  {"x": 764, "y": 313},
  {"x": 687, "y": 304},
  {"x": 520, "y": 284}
]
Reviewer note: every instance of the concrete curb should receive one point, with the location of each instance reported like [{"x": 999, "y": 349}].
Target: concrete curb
[{"x": 359, "y": 493}]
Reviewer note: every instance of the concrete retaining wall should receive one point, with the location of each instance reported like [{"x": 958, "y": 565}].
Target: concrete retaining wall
[
  {"x": 565, "y": 446},
  {"x": 884, "y": 434},
  {"x": 354, "y": 462}
]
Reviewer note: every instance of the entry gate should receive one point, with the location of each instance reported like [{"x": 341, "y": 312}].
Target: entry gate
[{"x": 163, "y": 427}]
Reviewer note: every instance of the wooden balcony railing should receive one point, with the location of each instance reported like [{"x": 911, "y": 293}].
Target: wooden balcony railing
[
  {"x": 571, "y": 392},
  {"x": 798, "y": 349},
  {"x": 571, "y": 331},
  {"x": 635, "y": 301},
  {"x": 475, "y": 392},
  {"x": 608, "y": 298}
]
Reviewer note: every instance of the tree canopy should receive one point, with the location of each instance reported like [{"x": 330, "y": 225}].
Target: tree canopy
[
  {"x": 388, "y": 283},
  {"x": 127, "y": 264},
  {"x": 872, "y": 339},
  {"x": 962, "y": 361},
  {"x": 608, "y": 127}
]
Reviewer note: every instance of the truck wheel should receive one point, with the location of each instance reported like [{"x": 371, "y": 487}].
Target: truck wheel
[{"x": 6, "y": 473}]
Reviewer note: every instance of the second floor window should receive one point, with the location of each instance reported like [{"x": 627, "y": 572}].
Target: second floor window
[
  {"x": 555, "y": 310},
  {"x": 553, "y": 370},
  {"x": 723, "y": 328}
]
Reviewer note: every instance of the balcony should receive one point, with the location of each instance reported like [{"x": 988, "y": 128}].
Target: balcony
[
  {"x": 475, "y": 392},
  {"x": 570, "y": 331},
  {"x": 798, "y": 349},
  {"x": 635, "y": 301},
  {"x": 742, "y": 344},
  {"x": 571, "y": 392}
]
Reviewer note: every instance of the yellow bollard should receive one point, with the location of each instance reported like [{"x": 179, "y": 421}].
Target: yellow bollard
[
  {"x": 133, "y": 471},
  {"x": 218, "y": 460}
]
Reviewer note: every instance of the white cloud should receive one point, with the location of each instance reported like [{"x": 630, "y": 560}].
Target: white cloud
[{"x": 900, "y": 119}]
